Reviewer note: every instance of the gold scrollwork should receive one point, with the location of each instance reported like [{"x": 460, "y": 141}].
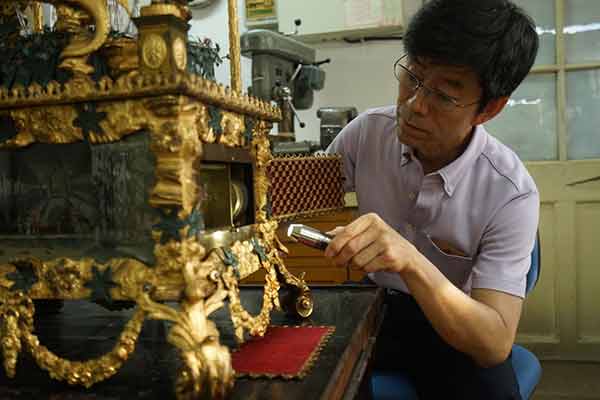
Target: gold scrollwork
[
  {"x": 87, "y": 373},
  {"x": 98, "y": 11},
  {"x": 17, "y": 313},
  {"x": 44, "y": 125},
  {"x": 207, "y": 368},
  {"x": 74, "y": 16},
  {"x": 242, "y": 319},
  {"x": 262, "y": 156},
  {"x": 183, "y": 269}
]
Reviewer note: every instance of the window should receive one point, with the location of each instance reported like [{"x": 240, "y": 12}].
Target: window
[{"x": 555, "y": 113}]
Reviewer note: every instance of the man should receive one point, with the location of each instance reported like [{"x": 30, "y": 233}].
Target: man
[{"x": 449, "y": 215}]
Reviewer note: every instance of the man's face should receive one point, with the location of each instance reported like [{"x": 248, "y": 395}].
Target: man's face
[{"x": 430, "y": 123}]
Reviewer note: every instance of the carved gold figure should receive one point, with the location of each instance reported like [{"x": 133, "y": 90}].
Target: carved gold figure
[{"x": 184, "y": 117}]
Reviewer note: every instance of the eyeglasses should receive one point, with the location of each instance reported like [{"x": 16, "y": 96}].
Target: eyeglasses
[{"x": 410, "y": 84}]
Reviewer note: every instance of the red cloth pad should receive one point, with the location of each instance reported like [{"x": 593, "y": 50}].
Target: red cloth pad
[{"x": 284, "y": 352}]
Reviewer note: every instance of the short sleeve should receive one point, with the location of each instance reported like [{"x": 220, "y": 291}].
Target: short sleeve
[
  {"x": 504, "y": 255},
  {"x": 346, "y": 145}
]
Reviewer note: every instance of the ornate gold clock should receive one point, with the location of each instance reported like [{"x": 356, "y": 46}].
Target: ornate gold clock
[{"x": 124, "y": 177}]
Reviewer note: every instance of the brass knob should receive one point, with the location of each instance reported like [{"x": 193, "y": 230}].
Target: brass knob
[{"x": 304, "y": 306}]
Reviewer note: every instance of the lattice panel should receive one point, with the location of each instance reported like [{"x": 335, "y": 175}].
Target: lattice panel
[{"x": 305, "y": 186}]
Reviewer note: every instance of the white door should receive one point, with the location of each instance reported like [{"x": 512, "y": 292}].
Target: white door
[{"x": 553, "y": 123}]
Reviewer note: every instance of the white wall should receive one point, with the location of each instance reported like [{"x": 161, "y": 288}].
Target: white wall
[
  {"x": 212, "y": 22},
  {"x": 359, "y": 75}
]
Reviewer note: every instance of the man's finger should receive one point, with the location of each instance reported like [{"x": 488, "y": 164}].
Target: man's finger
[
  {"x": 353, "y": 229},
  {"x": 366, "y": 256},
  {"x": 356, "y": 245},
  {"x": 360, "y": 224},
  {"x": 335, "y": 231}
]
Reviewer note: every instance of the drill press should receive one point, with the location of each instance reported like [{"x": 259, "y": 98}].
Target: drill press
[{"x": 284, "y": 70}]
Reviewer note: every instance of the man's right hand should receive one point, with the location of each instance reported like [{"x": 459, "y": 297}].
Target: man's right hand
[{"x": 368, "y": 243}]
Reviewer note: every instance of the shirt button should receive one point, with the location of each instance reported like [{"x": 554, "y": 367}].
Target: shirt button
[
  {"x": 411, "y": 196},
  {"x": 410, "y": 228}
]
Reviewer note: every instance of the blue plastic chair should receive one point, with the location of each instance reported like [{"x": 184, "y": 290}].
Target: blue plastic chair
[{"x": 388, "y": 385}]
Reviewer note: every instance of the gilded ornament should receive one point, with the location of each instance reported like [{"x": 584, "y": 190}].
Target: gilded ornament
[
  {"x": 180, "y": 113},
  {"x": 122, "y": 55},
  {"x": 180, "y": 54},
  {"x": 164, "y": 8},
  {"x": 98, "y": 12},
  {"x": 136, "y": 85},
  {"x": 154, "y": 51},
  {"x": 233, "y": 126},
  {"x": 75, "y": 16},
  {"x": 44, "y": 125}
]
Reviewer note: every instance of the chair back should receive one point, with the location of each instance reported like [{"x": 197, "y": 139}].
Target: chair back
[{"x": 536, "y": 262}]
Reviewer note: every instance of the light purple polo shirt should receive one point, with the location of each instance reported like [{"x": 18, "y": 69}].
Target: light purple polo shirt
[{"x": 484, "y": 204}]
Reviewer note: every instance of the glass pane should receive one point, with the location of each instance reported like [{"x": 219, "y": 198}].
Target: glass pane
[
  {"x": 528, "y": 122},
  {"x": 583, "y": 103},
  {"x": 543, "y": 13},
  {"x": 582, "y": 30},
  {"x": 78, "y": 200}
]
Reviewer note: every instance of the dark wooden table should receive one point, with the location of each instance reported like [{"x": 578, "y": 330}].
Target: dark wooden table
[{"x": 83, "y": 330}]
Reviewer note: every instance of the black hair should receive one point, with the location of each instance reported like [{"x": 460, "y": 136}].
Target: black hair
[{"x": 495, "y": 38}]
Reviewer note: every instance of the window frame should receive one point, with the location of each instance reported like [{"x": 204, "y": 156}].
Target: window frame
[{"x": 560, "y": 70}]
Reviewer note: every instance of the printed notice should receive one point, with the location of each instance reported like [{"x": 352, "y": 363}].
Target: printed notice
[
  {"x": 363, "y": 13},
  {"x": 393, "y": 12},
  {"x": 260, "y": 9}
]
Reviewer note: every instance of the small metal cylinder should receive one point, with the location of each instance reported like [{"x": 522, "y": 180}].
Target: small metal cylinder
[{"x": 309, "y": 236}]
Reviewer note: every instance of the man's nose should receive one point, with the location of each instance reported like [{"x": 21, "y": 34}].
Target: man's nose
[{"x": 418, "y": 101}]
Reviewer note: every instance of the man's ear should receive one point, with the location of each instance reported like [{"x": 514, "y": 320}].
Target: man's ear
[{"x": 492, "y": 109}]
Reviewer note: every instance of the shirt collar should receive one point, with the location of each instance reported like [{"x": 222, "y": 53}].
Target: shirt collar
[{"x": 452, "y": 173}]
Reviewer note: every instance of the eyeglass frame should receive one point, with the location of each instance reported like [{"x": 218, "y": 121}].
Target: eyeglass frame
[{"x": 421, "y": 84}]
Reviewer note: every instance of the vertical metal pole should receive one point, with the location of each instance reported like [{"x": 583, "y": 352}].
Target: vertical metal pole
[
  {"x": 234, "y": 47},
  {"x": 38, "y": 17}
]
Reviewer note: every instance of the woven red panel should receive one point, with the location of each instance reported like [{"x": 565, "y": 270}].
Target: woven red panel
[{"x": 303, "y": 184}]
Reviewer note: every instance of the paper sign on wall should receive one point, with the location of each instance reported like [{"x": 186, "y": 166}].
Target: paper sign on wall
[
  {"x": 362, "y": 13},
  {"x": 260, "y": 9}
]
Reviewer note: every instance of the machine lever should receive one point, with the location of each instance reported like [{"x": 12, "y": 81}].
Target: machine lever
[
  {"x": 295, "y": 112},
  {"x": 296, "y": 72},
  {"x": 325, "y": 61},
  {"x": 284, "y": 93}
]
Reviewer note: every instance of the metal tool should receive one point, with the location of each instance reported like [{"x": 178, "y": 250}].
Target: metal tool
[{"x": 309, "y": 236}]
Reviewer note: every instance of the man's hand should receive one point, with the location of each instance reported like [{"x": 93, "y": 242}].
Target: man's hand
[
  {"x": 483, "y": 326},
  {"x": 368, "y": 243}
]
